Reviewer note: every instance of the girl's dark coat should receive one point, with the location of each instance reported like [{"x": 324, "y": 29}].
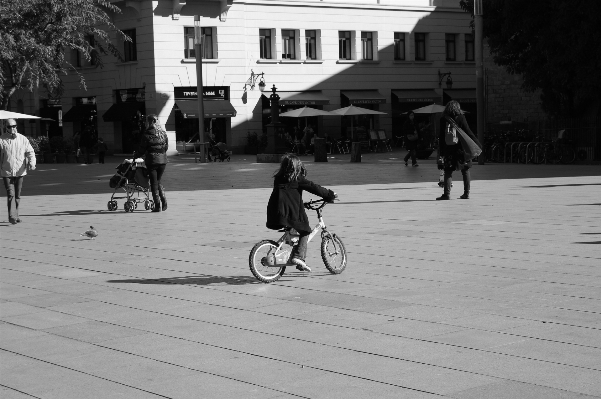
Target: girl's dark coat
[
  {"x": 285, "y": 206},
  {"x": 154, "y": 146},
  {"x": 409, "y": 127}
]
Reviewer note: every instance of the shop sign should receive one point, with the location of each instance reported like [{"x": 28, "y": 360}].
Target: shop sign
[
  {"x": 209, "y": 93},
  {"x": 298, "y": 102},
  {"x": 53, "y": 103},
  {"x": 368, "y": 101},
  {"x": 418, "y": 100}
]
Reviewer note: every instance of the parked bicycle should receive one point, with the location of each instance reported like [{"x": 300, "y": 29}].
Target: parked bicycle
[
  {"x": 268, "y": 259},
  {"x": 558, "y": 151}
]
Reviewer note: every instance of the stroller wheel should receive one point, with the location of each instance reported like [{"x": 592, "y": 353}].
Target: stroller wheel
[
  {"x": 112, "y": 205},
  {"x": 150, "y": 205},
  {"x": 135, "y": 204},
  {"x": 127, "y": 206}
]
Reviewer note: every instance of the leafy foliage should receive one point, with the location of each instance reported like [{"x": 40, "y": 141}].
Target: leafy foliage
[
  {"x": 553, "y": 44},
  {"x": 36, "y": 34}
]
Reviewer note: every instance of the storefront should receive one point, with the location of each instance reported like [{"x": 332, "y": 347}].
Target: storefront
[
  {"x": 290, "y": 100},
  {"x": 51, "y": 123},
  {"x": 218, "y": 112},
  {"x": 468, "y": 102},
  {"x": 83, "y": 114},
  {"x": 404, "y": 101},
  {"x": 362, "y": 124},
  {"x": 128, "y": 116}
]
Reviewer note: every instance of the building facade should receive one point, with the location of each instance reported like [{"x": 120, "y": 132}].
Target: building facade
[{"x": 385, "y": 55}]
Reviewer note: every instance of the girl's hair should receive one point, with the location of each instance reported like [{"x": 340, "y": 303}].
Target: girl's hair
[
  {"x": 452, "y": 108},
  {"x": 291, "y": 168}
]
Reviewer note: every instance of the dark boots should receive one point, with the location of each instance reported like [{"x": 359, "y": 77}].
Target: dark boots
[
  {"x": 156, "y": 200},
  {"x": 448, "y": 182},
  {"x": 163, "y": 197}
]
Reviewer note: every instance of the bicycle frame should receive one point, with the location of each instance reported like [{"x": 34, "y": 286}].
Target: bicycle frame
[{"x": 292, "y": 239}]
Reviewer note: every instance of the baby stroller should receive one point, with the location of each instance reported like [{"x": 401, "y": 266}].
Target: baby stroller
[
  {"x": 219, "y": 152},
  {"x": 131, "y": 177}
]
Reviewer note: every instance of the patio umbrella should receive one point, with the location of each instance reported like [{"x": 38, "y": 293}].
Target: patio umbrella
[
  {"x": 16, "y": 115},
  {"x": 304, "y": 112},
  {"x": 351, "y": 110},
  {"x": 429, "y": 109}
]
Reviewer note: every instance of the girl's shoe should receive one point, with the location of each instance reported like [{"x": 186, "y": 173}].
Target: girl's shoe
[
  {"x": 300, "y": 264},
  {"x": 12, "y": 220},
  {"x": 443, "y": 197},
  {"x": 415, "y": 164},
  {"x": 465, "y": 196}
]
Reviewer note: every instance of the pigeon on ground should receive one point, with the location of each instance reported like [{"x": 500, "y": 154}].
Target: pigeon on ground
[{"x": 90, "y": 233}]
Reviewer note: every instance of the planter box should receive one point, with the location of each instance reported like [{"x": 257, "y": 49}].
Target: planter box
[
  {"x": 39, "y": 158},
  {"x": 61, "y": 157},
  {"x": 48, "y": 157},
  {"x": 71, "y": 158}
]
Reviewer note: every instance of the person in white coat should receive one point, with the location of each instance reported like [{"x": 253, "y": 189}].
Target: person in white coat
[{"x": 16, "y": 157}]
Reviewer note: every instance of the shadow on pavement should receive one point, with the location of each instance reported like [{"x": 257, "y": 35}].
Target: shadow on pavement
[
  {"x": 588, "y": 242},
  {"x": 583, "y": 204},
  {"x": 192, "y": 280},
  {"x": 73, "y": 213},
  {"x": 565, "y": 185},
  {"x": 379, "y": 202}
]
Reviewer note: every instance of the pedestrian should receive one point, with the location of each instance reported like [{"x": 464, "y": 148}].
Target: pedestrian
[
  {"x": 154, "y": 146},
  {"x": 451, "y": 155},
  {"x": 285, "y": 207},
  {"x": 102, "y": 148},
  {"x": 411, "y": 138},
  {"x": 16, "y": 157}
]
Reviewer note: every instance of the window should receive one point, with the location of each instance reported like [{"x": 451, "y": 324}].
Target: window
[
  {"x": 420, "y": 47},
  {"x": 399, "y": 46},
  {"x": 189, "y": 51},
  {"x": 80, "y": 61},
  {"x": 344, "y": 45},
  {"x": 451, "y": 47},
  {"x": 311, "y": 44},
  {"x": 129, "y": 48},
  {"x": 265, "y": 43},
  {"x": 367, "y": 45},
  {"x": 469, "y": 47},
  {"x": 207, "y": 44},
  {"x": 288, "y": 44}
]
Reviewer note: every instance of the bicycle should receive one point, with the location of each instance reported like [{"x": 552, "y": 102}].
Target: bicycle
[{"x": 268, "y": 259}]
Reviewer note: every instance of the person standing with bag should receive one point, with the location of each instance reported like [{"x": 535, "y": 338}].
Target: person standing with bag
[
  {"x": 154, "y": 144},
  {"x": 411, "y": 139},
  {"x": 451, "y": 150}
]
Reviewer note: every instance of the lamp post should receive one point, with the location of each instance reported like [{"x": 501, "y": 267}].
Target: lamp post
[
  {"x": 479, "y": 73},
  {"x": 199, "y": 87}
]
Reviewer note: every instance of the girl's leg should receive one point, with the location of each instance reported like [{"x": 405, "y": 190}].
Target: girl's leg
[
  {"x": 448, "y": 181},
  {"x": 299, "y": 253},
  {"x": 414, "y": 156}
]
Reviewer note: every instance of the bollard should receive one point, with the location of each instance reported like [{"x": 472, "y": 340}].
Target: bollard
[
  {"x": 356, "y": 152},
  {"x": 203, "y": 153},
  {"x": 319, "y": 147}
]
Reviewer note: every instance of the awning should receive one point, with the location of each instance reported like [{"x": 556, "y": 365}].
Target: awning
[
  {"x": 123, "y": 111},
  {"x": 302, "y": 98},
  {"x": 213, "y": 109},
  {"x": 364, "y": 96},
  {"x": 461, "y": 95},
  {"x": 417, "y": 96},
  {"x": 79, "y": 113}
]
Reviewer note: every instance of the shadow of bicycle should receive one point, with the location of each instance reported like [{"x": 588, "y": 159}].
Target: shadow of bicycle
[{"x": 192, "y": 280}]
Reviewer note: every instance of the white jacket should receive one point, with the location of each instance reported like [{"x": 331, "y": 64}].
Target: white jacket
[{"x": 15, "y": 154}]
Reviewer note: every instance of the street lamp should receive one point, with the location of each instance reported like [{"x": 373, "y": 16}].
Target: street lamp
[
  {"x": 250, "y": 82},
  {"x": 198, "y": 38},
  {"x": 449, "y": 79}
]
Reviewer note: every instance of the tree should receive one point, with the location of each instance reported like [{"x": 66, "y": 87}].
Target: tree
[
  {"x": 36, "y": 34},
  {"x": 555, "y": 45}
]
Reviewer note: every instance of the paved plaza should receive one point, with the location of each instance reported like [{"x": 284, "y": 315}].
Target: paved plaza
[{"x": 495, "y": 297}]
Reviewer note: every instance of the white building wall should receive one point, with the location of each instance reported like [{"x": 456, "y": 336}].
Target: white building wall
[{"x": 161, "y": 65}]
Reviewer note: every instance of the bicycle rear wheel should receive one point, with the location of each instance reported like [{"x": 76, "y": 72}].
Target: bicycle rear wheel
[
  {"x": 263, "y": 254},
  {"x": 567, "y": 155},
  {"x": 539, "y": 154},
  {"x": 333, "y": 253}
]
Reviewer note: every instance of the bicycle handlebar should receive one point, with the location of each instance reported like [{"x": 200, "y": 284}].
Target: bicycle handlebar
[{"x": 315, "y": 204}]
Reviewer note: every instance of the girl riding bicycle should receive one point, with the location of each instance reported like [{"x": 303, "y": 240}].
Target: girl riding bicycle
[{"x": 285, "y": 207}]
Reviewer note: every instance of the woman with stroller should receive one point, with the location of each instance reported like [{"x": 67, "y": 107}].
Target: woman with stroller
[
  {"x": 285, "y": 207},
  {"x": 154, "y": 144}
]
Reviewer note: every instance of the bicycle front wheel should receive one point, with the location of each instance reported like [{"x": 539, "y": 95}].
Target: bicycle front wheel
[
  {"x": 333, "y": 253},
  {"x": 261, "y": 256},
  {"x": 567, "y": 155}
]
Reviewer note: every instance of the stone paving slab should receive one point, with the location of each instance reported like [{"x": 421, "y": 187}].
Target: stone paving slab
[{"x": 495, "y": 297}]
